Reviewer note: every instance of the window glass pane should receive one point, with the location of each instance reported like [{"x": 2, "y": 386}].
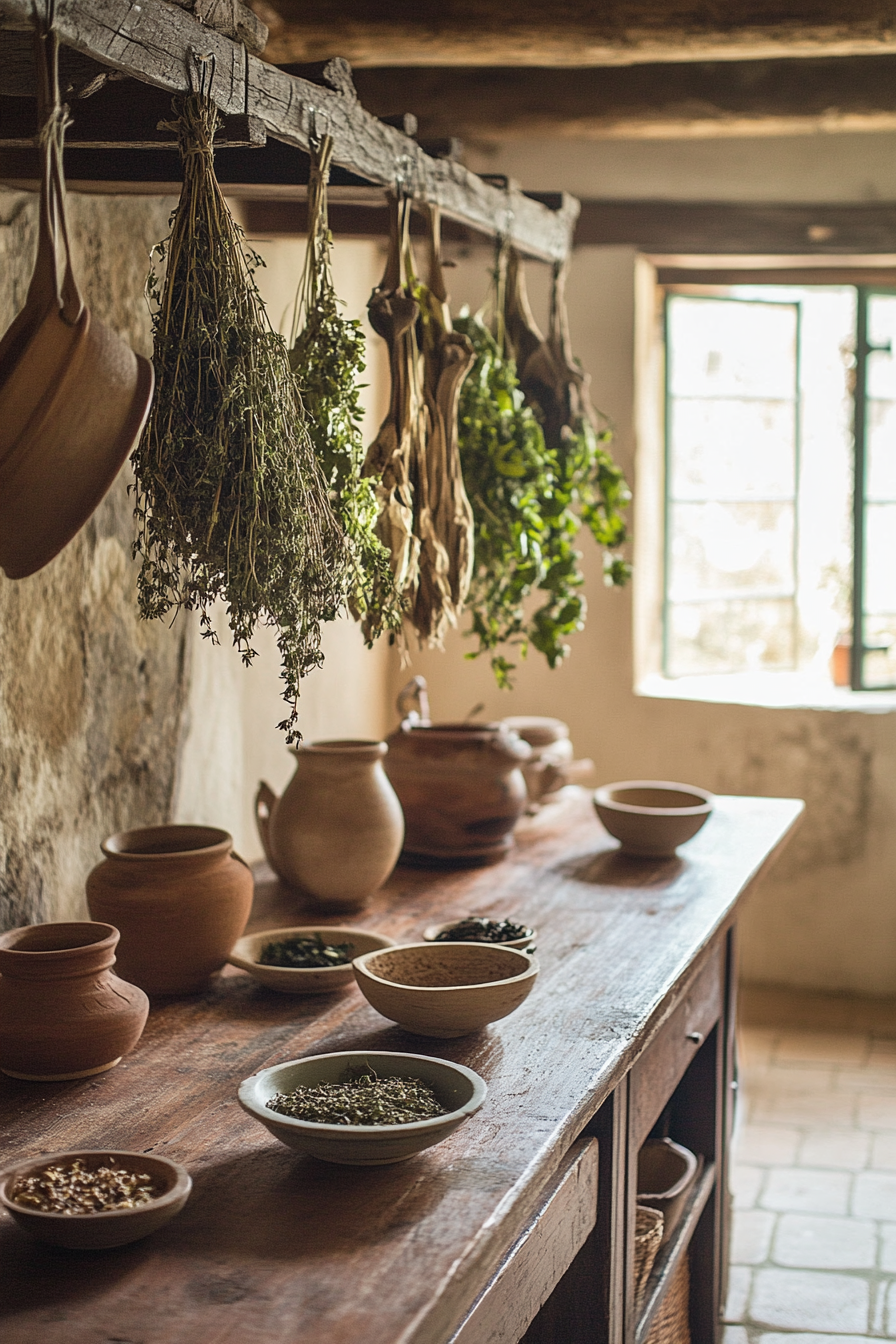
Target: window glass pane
[
  {"x": 731, "y": 637},
  {"x": 728, "y": 348},
  {"x": 880, "y": 559},
  {"x": 732, "y": 449},
  {"x": 881, "y": 451},
  {"x": 879, "y": 662},
  {"x": 723, "y": 548},
  {"x": 881, "y": 381}
]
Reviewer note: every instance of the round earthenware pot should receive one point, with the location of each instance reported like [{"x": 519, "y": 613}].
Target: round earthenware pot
[
  {"x": 63, "y": 1012},
  {"x": 461, "y": 789},
  {"x": 180, "y": 897},
  {"x": 336, "y": 832}
]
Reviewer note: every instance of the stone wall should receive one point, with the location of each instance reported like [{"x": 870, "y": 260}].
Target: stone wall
[{"x": 90, "y": 696}]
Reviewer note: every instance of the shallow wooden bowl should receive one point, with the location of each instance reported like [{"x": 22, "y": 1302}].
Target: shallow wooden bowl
[
  {"x": 431, "y": 935},
  {"x": 313, "y": 980},
  {"x": 651, "y": 817},
  {"x": 446, "y": 989},
  {"x": 99, "y": 1231},
  {"x": 459, "y": 1089}
]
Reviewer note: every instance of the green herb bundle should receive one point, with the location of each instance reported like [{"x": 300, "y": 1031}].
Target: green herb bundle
[
  {"x": 230, "y": 502},
  {"x": 536, "y": 467},
  {"x": 327, "y": 357}
]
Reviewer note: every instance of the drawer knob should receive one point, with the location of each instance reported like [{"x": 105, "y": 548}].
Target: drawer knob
[{"x": 696, "y": 1037}]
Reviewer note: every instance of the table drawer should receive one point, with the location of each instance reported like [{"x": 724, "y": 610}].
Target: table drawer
[
  {"x": 539, "y": 1258},
  {"x": 660, "y": 1068}
]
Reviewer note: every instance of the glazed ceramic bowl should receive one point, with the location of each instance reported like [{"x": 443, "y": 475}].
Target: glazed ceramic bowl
[
  {"x": 652, "y": 817},
  {"x": 99, "y": 1231},
  {"x": 446, "y": 989},
  {"x": 314, "y": 980},
  {"x": 459, "y": 1089},
  {"x": 432, "y": 934}
]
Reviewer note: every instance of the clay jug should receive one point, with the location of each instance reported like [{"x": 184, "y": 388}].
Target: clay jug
[
  {"x": 461, "y": 789},
  {"x": 180, "y": 897},
  {"x": 336, "y": 832},
  {"x": 63, "y": 1012}
]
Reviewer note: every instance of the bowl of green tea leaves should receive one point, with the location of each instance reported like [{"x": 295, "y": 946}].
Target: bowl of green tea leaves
[
  {"x": 363, "y": 1108},
  {"x": 315, "y": 959}
]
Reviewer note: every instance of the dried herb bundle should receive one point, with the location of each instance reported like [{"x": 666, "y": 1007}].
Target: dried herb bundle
[
  {"x": 327, "y": 357},
  {"x": 231, "y": 503},
  {"x": 536, "y": 467},
  {"x": 365, "y": 1100}
]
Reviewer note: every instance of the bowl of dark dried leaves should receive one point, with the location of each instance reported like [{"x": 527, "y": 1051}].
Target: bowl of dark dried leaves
[
  {"x": 313, "y": 959},
  {"x": 90, "y": 1200},
  {"x": 481, "y": 929},
  {"x": 363, "y": 1108}
]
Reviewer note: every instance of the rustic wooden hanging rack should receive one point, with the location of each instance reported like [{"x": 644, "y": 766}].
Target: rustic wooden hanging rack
[{"x": 156, "y": 43}]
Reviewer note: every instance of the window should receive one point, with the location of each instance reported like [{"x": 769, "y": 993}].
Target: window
[{"x": 773, "y": 556}]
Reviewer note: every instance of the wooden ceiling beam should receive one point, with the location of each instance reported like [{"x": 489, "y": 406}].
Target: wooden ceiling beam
[
  {"x": 643, "y": 101},
  {"x": 572, "y": 32}
]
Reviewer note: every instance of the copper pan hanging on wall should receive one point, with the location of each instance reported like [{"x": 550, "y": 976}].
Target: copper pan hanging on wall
[{"x": 73, "y": 395}]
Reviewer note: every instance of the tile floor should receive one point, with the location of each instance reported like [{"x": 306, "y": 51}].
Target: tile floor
[{"x": 813, "y": 1255}]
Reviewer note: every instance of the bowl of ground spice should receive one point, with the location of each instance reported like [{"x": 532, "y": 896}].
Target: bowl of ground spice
[
  {"x": 363, "y": 1108},
  {"x": 312, "y": 959},
  {"x": 90, "y": 1200},
  {"x": 481, "y": 929}
]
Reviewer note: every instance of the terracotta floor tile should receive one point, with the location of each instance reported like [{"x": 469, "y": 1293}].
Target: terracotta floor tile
[
  {"x": 808, "y": 1241},
  {"x": 739, "y": 1282},
  {"x": 877, "y": 1080},
  {"x": 802, "y": 1300},
  {"x": 751, "y": 1236},
  {"x": 806, "y": 1190},
  {"x": 789, "y": 1080},
  {"x": 836, "y": 1047},
  {"x": 767, "y": 1145},
  {"x": 874, "y": 1195},
  {"x": 822, "y": 1109},
  {"x": 755, "y": 1045},
  {"x": 883, "y": 1152},
  {"x": 804, "y": 1337},
  {"x": 745, "y": 1183},
  {"x": 876, "y": 1112},
  {"x": 734, "y": 1334},
  {"x": 888, "y": 1247},
  {"x": 846, "y": 1149}
]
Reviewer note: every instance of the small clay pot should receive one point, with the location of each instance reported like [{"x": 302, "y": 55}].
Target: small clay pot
[
  {"x": 180, "y": 897},
  {"x": 461, "y": 789},
  {"x": 63, "y": 1012}
]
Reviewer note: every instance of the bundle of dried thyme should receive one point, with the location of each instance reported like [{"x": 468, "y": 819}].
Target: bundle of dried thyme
[
  {"x": 230, "y": 501},
  {"x": 365, "y": 1100},
  {"x": 327, "y": 357}
]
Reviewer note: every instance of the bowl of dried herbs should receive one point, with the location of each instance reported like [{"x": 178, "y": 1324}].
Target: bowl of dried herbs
[
  {"x": 90, "y": 1200},
  {"x": 481, "y": 929},
  {"x": 360, "y": 1107},
  {"x": 312, "y": 959}
]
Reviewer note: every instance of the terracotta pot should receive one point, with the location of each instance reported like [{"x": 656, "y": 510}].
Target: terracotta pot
[
  {"x": 461, "y": 789},
  {"x": 73, "y": 395},
  {"x": 336, "y": 833},
  {"x": 180, "y": 897},
  {"x": 551, "y": 765},
  {"x": 63, "y": 1012}
]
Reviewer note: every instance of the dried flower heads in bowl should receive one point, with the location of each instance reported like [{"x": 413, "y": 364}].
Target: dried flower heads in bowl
[
  {"x": 363, "y": 1108},
  {"x": 90, "y": 1199}
]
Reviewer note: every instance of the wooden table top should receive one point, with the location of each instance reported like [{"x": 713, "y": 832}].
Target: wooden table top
[{"x": 275, "y": 1248}]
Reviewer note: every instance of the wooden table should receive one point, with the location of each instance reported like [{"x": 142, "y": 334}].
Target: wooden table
[{"x": 466, "y": 1241}]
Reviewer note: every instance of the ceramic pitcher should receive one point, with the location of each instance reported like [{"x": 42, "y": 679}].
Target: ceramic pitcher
[
  {"x": 337, "y": 831},
  {"x": 180, "y": 897},
  {"x": 63, "y": 1011}
]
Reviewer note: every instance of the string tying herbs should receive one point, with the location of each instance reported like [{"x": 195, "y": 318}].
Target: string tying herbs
[{"x": 230, "y": 501}]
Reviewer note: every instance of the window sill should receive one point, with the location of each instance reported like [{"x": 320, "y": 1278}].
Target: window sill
[{"x": 772, "y": 690}]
